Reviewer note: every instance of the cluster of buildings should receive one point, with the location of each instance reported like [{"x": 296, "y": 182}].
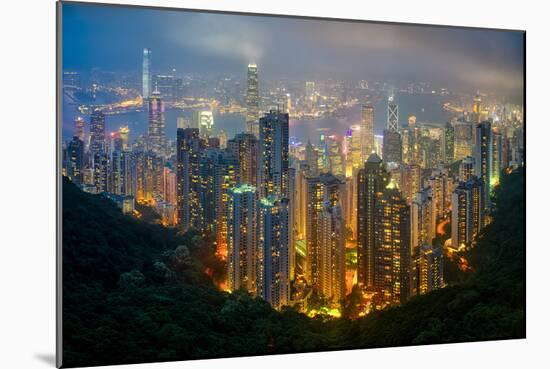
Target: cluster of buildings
[{"x": 285, "y": 216}]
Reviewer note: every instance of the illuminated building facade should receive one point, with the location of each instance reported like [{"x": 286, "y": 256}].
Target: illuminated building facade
[
  {"x": 468, "y": 212},
  {"x": 273, "y": 177},
  {"x": 79, "y": 131},
  {"x": 367, "y": 132},
  {"x": 325, "y": 190},
  {"x": 242, "y": 238},
  {"x": 74, "y": 160},
  {"x": 332, "y": 252},
  {"x": 146, "y": 74},
  {"x": 393, "y": 114},
  {"x": 252, "y": 100},
  {"x": 449, "y": 144},
  {"x": 371, "y": 180},
  {"x": 204, "y": 121},
  {"x": 97, "y": 132},
  {"x": 429, "y": 267},
  {"x": 156, "y": 127},
  {"x": 423, "y": 220},
  {"x": 410, "y": 181},
  {"x": 483, "y": 146},
  {"x": 464, "y": 139},
  {"x": 467, "y": 169},
  {"x": 273, "y": 260},
  {"x": 245, "y": 146},
  {"x": 392, "y": 247},
  {"x": 189, "y": 148}
]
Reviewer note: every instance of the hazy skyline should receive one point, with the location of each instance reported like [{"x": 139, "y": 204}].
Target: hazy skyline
[{"x": 112, "y": 38}]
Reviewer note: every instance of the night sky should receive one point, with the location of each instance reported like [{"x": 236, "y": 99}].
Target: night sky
[{"x": 113, "y": 38}]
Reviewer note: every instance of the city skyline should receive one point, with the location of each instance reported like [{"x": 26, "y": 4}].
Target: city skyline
[
  {"x": 465, "y": 57},
  {"x": 327, "y": 198}
]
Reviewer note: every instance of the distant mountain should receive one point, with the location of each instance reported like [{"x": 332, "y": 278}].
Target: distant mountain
[{"x": 136, "y": 292}]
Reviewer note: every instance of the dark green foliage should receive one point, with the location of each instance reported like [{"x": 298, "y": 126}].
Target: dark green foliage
[{"x": 137, "y": 292}]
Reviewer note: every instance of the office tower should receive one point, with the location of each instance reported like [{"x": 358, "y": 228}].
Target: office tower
[
  {"x": 411, "y": 181},
  {"x": 466, "y": 169},
  {"x": 169, "y": 187},
  {"x": 334, "y": 155},
  {"x": 273, "y": 261},
  {"x": 468, "y": 212},
  {"x": 312, "y": 159},
  {"x": 353, "y": 150},
  {"x": 165, "y": 85},
  {"x": 273, "y": 147},
  {"x": 448, "y": 144},
  {"x": 464, "y": 139},
  {"x": 476, "y": 116},
  {"x": 423, "y": 220},
  {"x": 393, "y": 114},
  {"x": 325, "y": 190},
  {"x": 496, "y": 158},
  {"x": 245, "y": 147},
  {"x": 429, "y": 267},
  {"x": 146, "y": 74},
  {"x": 74, "y": 162},
  {"x": 222, "y": 135},
  {"x": 157, "y": 135},
  {"x": 189, "y": 146},
  {"x": 392, "y": 247},
  {"x": 371, "y": 179},
  {"x": 97, "y": 132},
  {"x": 242, "y": 238},
  {"x": 367, "y": 132},
  {"x": 483, "y": 145},
  {"x": 218, "y": 172},
  {"x": 101, "y": 172},
  {"x": 292, "y": 219},
  {"x": 117, "y": 185},
  {"x": 124, "y": 133},
  {"x": 252, "y": 100},
  {"x": 332, "y": 252},
  {"x": 392, "y": 147},
  {"x": 79, "y": 131},
  {"x": 204, "y": 121}
]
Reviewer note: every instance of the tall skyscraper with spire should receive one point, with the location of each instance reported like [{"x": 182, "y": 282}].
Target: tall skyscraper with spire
[
  {"x": 146, "y": 82},
  {"x": 393, "y": 113},
  {"x": 252, "y": 100}
]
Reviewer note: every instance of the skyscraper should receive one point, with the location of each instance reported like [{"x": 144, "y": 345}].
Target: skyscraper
[
  {"x": 242, "y": 238},
  {"x": 312, "y": 159},
  {"x": 448, "y": 144},
  {"x": 101, "y": 172},
  {"x": 157, "y": 135},
  {"x": 353, "y": 150},
  {"x": 324, "y": 191},
  {"x": 496, "y": 157},
  {"x": 483, "y": 146},
  {"x": 335, "y": 157},
  {"x": 146, "y": 74},
  {"x": 189, "y": 148},
  {"x": 244, "y": 147},
  {"x": 367, "y": 132},
  {"x": 124, "y": 133},
  {"x": 467, "y": 168},
  {"x": 464, "y": 139},
  {"x": 392, "y": 247},
  {"x": 372, "y": 179},
  {"x": 423, "y": 219},
  {"x": 393, "y": 114},
  {"x": 204, "y": 121},
  {"x": 392, "y": 147},
  {"x": 411, "y": 181},
  {"x": 468, "y": 208},
  {"x": 97, "y": 132},
  {"x": 273, "y": 261},
  {"x": 429, "y": 267},
  {"x": 252, "y": 100},
  {"x": 477, "y": 109},
  {"x": 74, "y": 159},
  {"x": 332, "y": 252},
  {"x": 274, "y": 161}
]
